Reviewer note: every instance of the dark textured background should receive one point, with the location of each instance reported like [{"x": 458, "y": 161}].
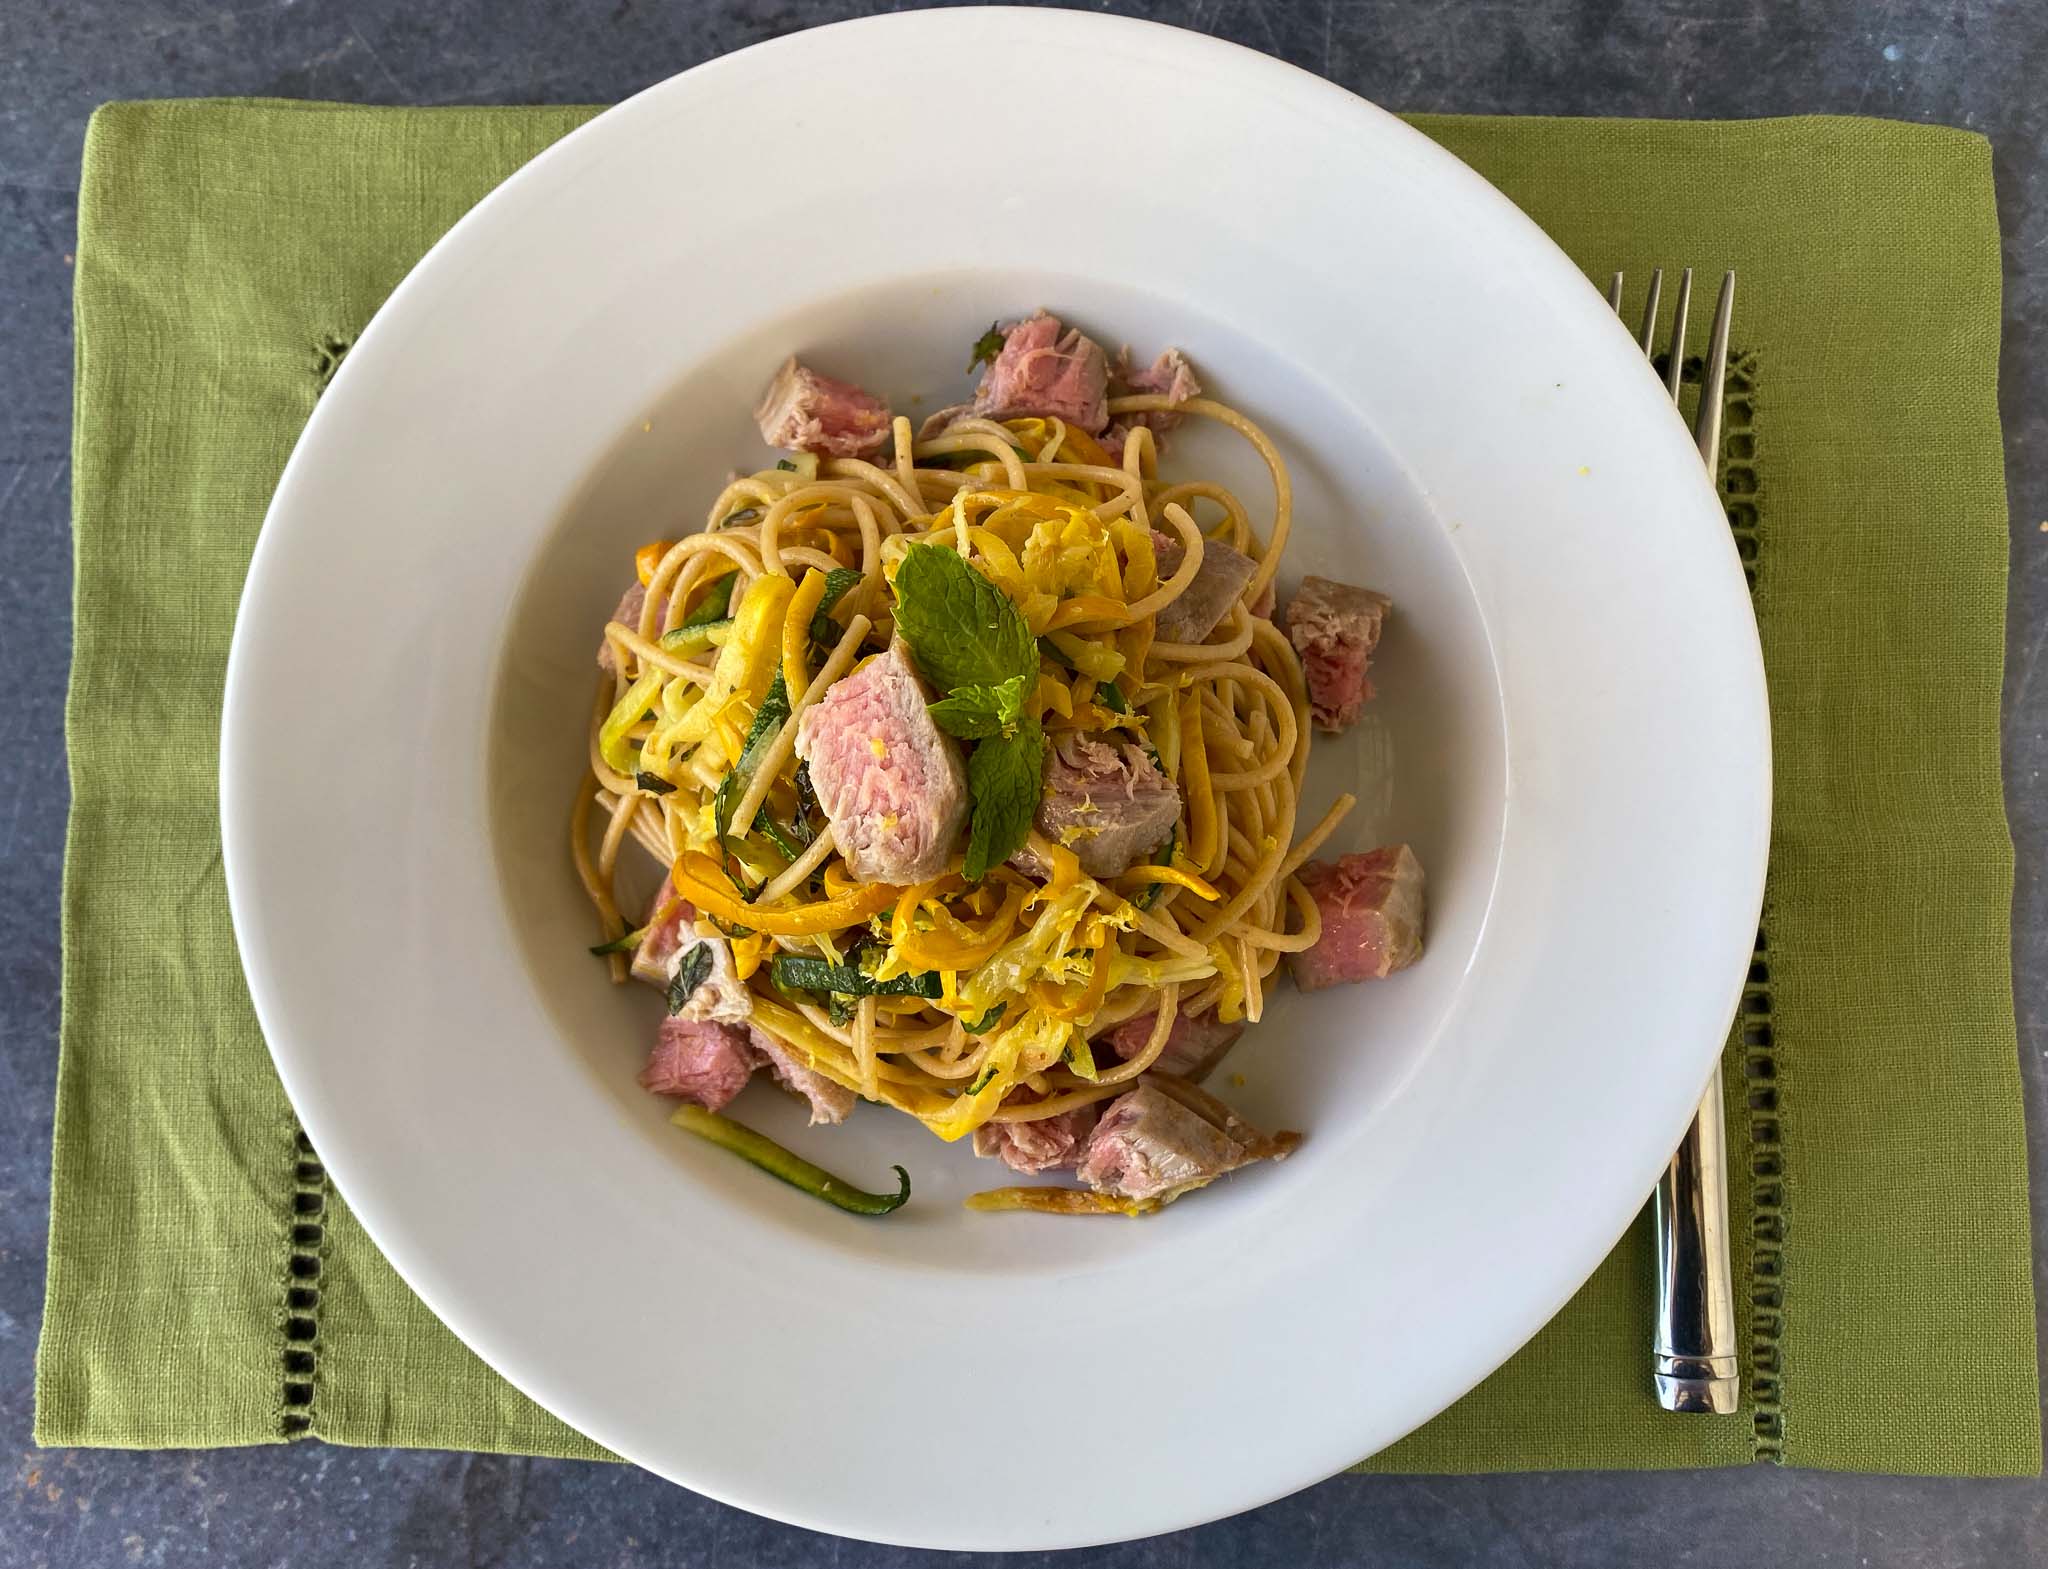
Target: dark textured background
[{"x": 1976, "y": 63}]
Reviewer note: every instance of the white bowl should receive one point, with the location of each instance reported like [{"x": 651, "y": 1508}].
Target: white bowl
[{"x": 1571, "y": 731}]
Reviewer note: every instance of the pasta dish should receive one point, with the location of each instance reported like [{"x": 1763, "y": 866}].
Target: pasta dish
[{"x": 970, "y": 760}]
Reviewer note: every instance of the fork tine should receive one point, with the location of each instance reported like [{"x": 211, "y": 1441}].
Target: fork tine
[
  {"x": 1673, "y": 371},
  {"x": 1650, "y": 303},
  {"x": 1614, "y": 294},
  {"x": 1714, "y": 378}
]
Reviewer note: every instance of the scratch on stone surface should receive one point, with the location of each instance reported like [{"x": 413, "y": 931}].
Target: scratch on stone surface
[
  {"x": 2029, "y": 662},
  {"x": 227, "y": 16},
  {"x": 13, "y": 484},
  {"x": 376, "y": 59}
]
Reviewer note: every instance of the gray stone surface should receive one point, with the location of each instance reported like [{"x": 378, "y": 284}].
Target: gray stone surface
[{"x": 1975, "y": 63}]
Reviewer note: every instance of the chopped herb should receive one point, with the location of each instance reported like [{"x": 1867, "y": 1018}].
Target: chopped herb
[
  {"x": 807, "y": 808},
  {"x": 732, "y": 929},
  {"x": 692, "y": 972},
  {"x": 986, "y": 1022},
  {"x": 795, "y": 972},
  {"x": 625, "y": 944},
  {"x": 760, "y": 1150},
  {"x": 768, "y": 828},
  {"x": 653, "y": 784},
  {"x": 981, "y": 1081},
  {"x": 788, "y": 465},
  {"x": 1111, "y": 697},
  {"x": 744, "y": 515},
  {"x": 987, "y": 346}
]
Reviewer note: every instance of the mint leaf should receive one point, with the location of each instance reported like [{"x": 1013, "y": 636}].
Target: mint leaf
[
  {"x": 1010, "y": 697},
  {"x": 970, "y": 713},
  {"x": 962, "y": 629},
  {"x": 1004, "y": 777},
  {"x": 974, "y": 713},
  {"x": 987, "y": 347}
]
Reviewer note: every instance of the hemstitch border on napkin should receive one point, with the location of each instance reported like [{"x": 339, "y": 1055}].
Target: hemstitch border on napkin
[
  {"x": 1741, "y": 498},
  {"x": 298, "y": 1319}
]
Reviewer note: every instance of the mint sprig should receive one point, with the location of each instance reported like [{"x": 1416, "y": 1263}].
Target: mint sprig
[
  {"x": 972, "y": 643},
  {"x": 977, "y": 713}
]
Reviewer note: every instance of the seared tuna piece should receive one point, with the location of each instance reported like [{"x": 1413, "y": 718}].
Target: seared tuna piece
[
  {"x": 1219, "y": 583},
  {"x": 1106, "y": 801},
  {"x": 1166, "y": 1137},
  {"x": 1195, "y": 1042},
  {"x": 1045, "y": 373},
  {"x": 1371, "y": 906},
  {"x": 804, "y": 411},
  {"x": 1050, "y": 1144},
  {"x": 1334, "y": 628},
  {"x": 892, "y": 783}
]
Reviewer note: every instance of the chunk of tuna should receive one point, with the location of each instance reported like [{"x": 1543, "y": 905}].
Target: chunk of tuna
[
  {"x": 804, "y": 411},
  {"x": 1195, "y": 1042},
  {"x": 1107, "y": 801},
  {"x": 1169, "y": 376},
  {"x": 892, "y": 783},
  {"x": 630, "y": 605},
  {"x": 1049, "y": 1144},
  {"x": 1218, "y": 584},
  {"x": 1334, "y": 628},
  {"x": 1167, "y": 1137},
  {"x": 829, "y": 1101},
  {"x": 1048, "y": 373},
  {"x": 1371, "y": 905},
  {"x": 700, "y": 1060}
]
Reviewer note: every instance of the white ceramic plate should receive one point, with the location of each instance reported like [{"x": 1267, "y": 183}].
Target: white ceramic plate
[{"x": 1571, "y": 731}]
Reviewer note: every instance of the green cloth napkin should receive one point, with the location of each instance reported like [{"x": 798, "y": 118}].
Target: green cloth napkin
[{"x": 207, "y": 1285}]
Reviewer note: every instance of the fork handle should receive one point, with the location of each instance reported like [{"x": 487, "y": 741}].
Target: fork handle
[{"x": 1696, "y": 1361}]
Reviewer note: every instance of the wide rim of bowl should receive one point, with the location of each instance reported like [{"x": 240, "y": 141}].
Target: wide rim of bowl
[{"x": 1610, "y": 1180}]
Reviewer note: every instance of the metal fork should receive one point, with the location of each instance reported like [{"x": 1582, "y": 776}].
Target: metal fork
[{"x": 1695, "y": 1363}]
